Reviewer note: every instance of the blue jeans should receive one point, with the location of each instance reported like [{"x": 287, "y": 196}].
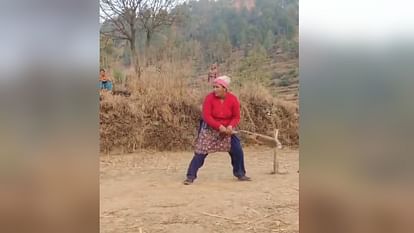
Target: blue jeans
[
  {"x": 105, "y": 85},
  {"x": 237, "y": 160}
]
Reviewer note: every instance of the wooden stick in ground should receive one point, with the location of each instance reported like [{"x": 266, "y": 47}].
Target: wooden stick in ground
[
  {"x": 275, "y": 165},
  {"x": 275, "y": 162},
  {"x": 273, "y": 142},
  {"x": 278, "y": 143}
]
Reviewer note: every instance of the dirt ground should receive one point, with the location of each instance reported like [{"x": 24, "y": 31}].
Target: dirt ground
[{"x": 144, "y": 193}]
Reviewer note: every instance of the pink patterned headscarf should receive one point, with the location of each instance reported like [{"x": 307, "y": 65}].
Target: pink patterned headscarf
[{"x": 223, "y": 80}]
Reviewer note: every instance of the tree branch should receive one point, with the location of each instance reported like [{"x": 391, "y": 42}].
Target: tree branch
[{"x": 112, "y": 34}]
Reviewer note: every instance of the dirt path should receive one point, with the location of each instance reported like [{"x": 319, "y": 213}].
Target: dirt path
[{"x": 144, "y": 193}]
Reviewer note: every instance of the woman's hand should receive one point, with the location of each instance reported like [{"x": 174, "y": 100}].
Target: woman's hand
[
  {"x": 222, "y": 129},
  {"x": 229, "y": 130}
]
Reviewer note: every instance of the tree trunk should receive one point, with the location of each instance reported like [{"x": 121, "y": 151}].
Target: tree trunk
[
  {"x": 147, "y": 46},
  {"x": 134, "y": 57},
  {"x": 149, "y": 34}
]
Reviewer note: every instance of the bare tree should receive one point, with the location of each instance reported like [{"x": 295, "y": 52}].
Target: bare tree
[
  {"x": 121, "y": 15},
  {"x": 153, "y": 14},
  {"x": 127, "y": 17}
]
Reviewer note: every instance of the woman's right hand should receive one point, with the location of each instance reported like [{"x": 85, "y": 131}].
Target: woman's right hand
[{"x": 222, "y": 129}]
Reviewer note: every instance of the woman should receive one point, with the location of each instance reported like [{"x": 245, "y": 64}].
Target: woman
[
  {"x": 221, "y": 115},
  {"x": 213, "y": 73},
  {"x": 105, "y": 82}
]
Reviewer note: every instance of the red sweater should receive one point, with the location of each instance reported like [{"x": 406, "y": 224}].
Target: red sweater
[{"x": 216, "y": 113}]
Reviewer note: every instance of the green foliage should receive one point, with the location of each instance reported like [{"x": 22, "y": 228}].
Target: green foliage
[
  {"x": 218, "y": 26},
  {"x": 209, "y": 31},
  {"x": 251, "y": 67},
  {"x": 118, "y": 76},
  {"x": 284, "y": 82},
  {"x": 269, "y": 40}
]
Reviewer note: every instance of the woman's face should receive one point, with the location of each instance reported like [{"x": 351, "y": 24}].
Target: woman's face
[
  {"x": 102, "y": 72},
  {"x": 219, "y": 90}
]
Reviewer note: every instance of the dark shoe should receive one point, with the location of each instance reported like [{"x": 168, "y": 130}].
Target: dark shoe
[
  {"x": 188, "y": 181},
  {"x": 244, "y": 178}
]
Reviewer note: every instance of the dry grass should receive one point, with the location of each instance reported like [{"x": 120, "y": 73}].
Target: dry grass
[
  {"x": 163, "y": 112},
  {"x": 262, "y": 113}
]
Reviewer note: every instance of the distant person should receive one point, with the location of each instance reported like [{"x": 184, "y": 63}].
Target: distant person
[
  {"x": 213, "y": 73},
  {"x": 104, "y": 81},
  {"x": 221, "y": 115}
]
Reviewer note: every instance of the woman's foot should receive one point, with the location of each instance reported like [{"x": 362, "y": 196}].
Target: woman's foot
[
  {"x": 188, "y": 181},
  {"x": 244, "y": 178}
]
